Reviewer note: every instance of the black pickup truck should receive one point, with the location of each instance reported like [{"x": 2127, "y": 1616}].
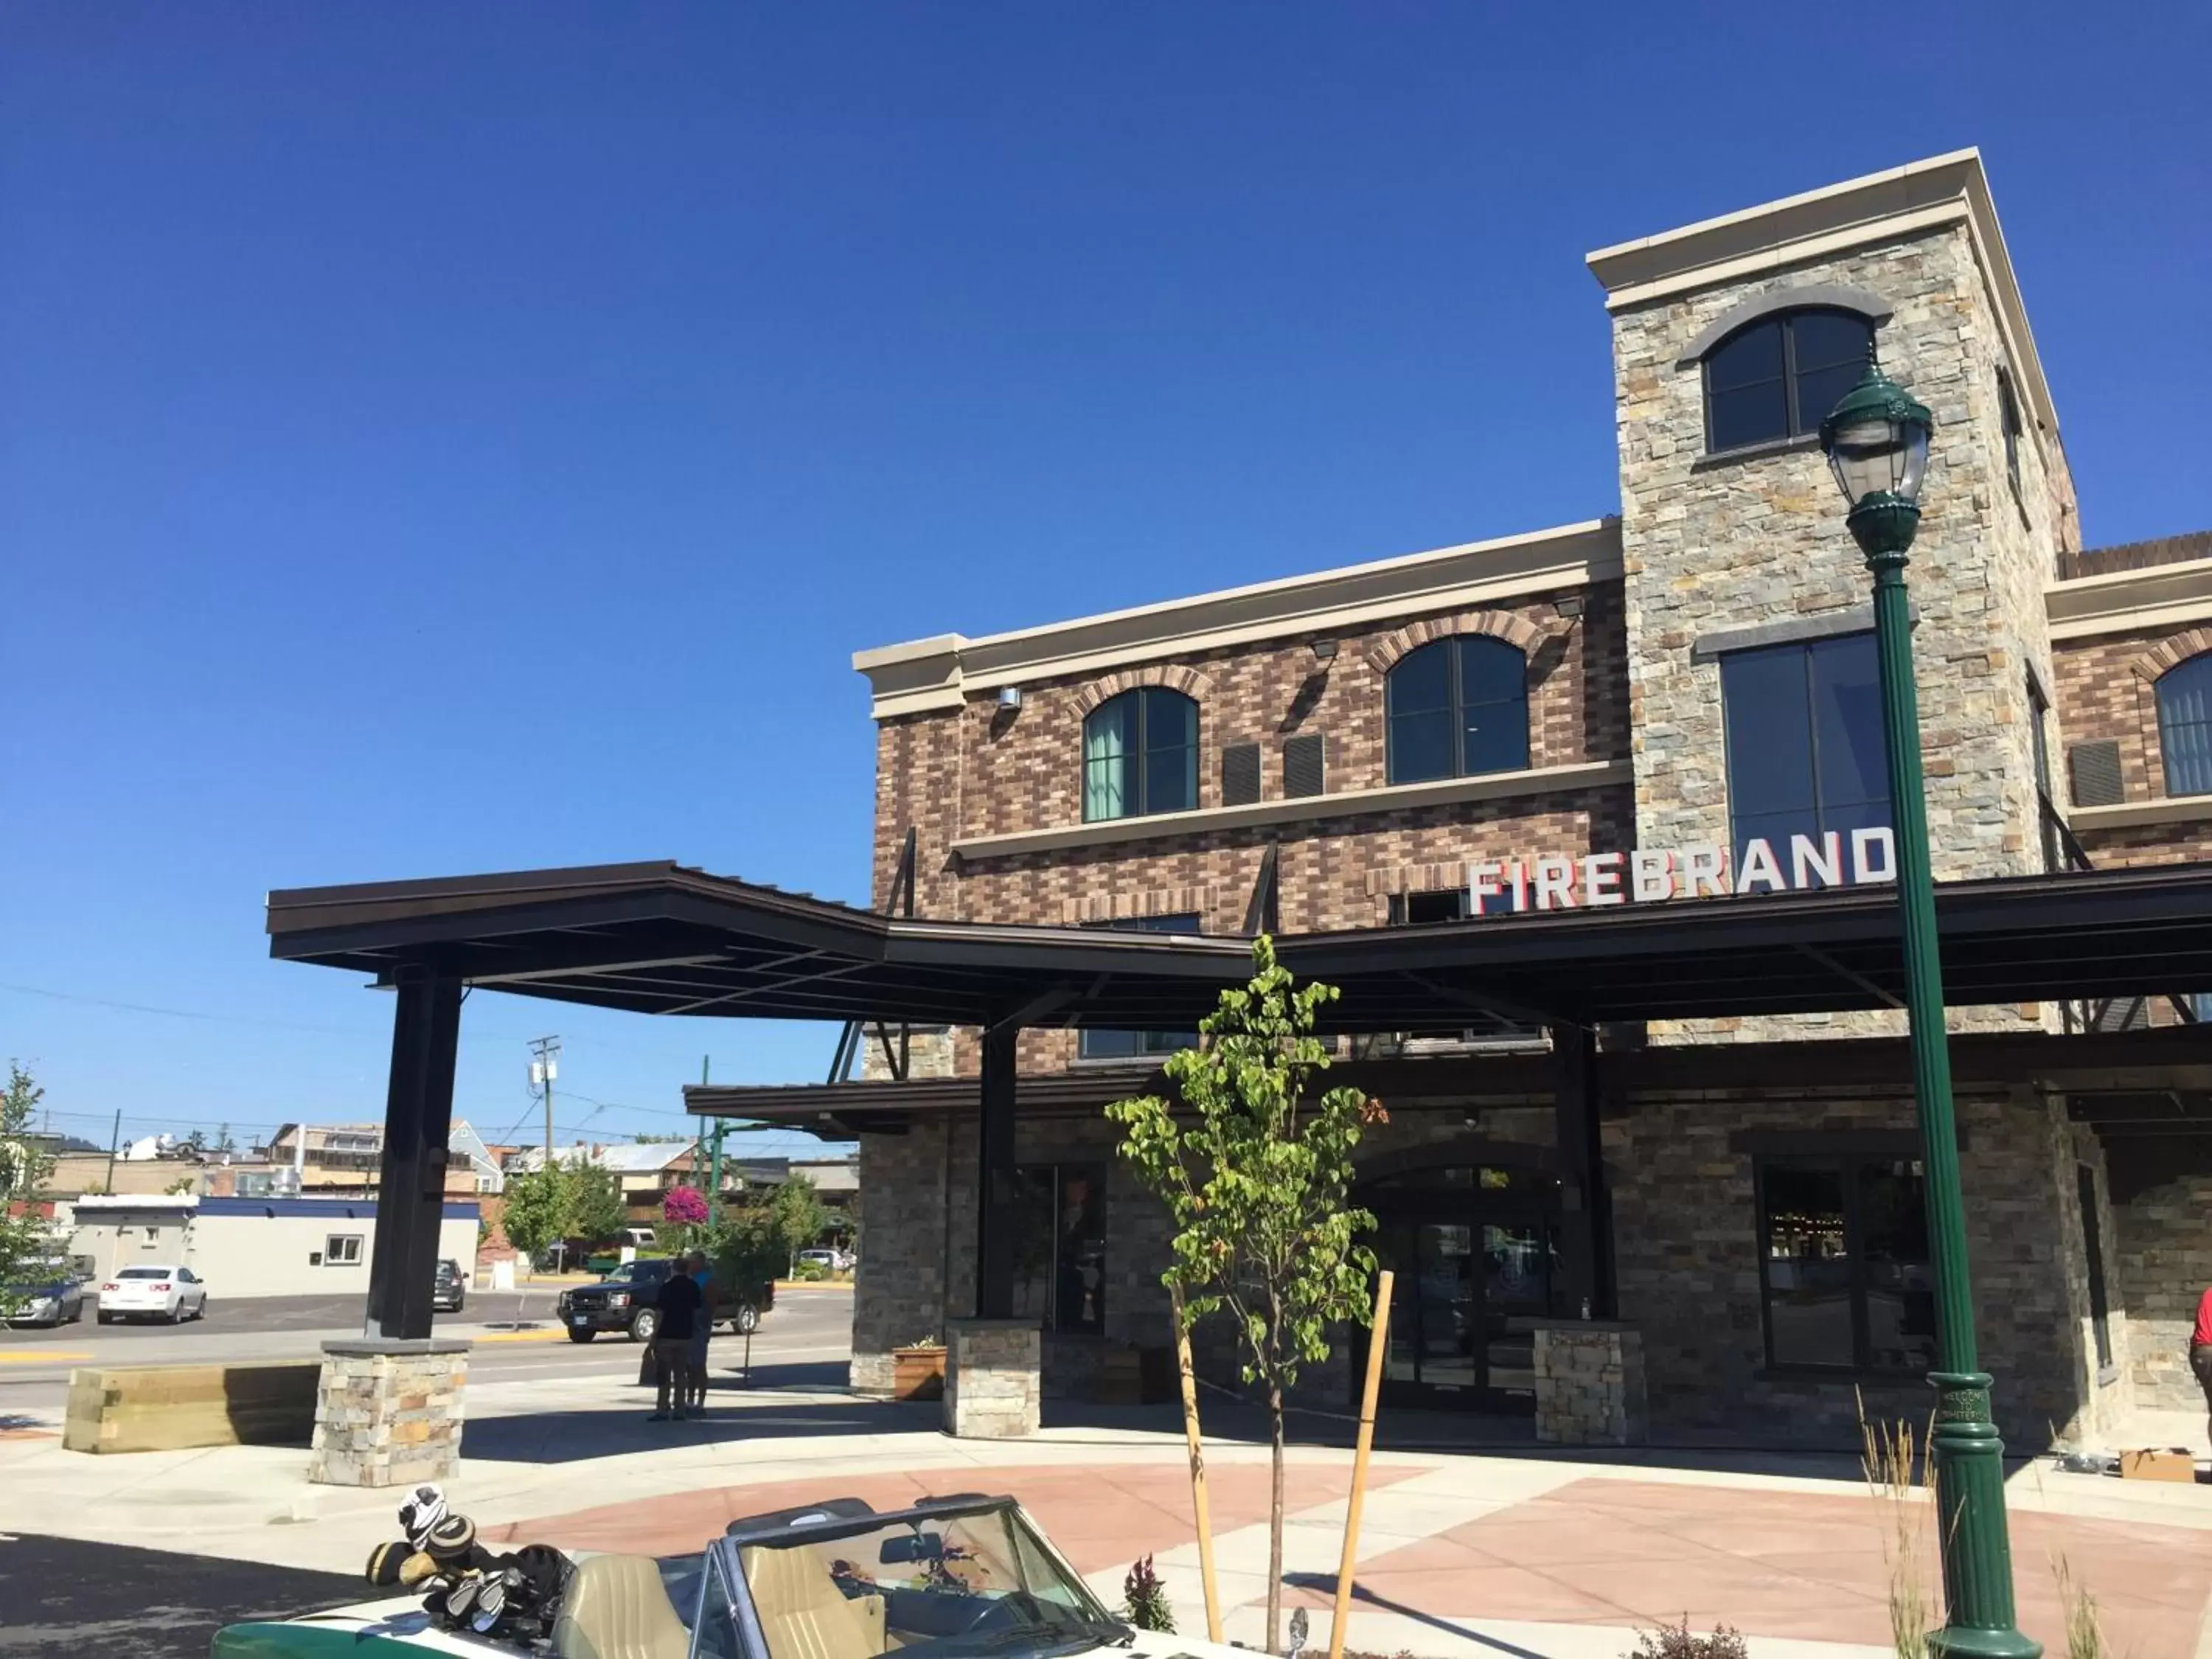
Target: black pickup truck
[{"x": 628, "y": 1299}]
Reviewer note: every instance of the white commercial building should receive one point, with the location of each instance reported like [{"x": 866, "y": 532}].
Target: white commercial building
[{"x": 253, "y": 1247}]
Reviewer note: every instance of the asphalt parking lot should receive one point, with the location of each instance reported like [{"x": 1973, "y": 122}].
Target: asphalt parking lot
[
  {"x": 61, "y": 1595},
  {"x": 267, "y": 1314}
]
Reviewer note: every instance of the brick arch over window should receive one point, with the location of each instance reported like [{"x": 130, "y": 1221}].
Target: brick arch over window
[
  {"x": 1516, "y": 631},
  {"x": 2167, "y": 655},
  {"x": 1189, "y": 681}
]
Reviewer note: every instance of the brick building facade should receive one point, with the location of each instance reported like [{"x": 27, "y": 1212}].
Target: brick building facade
[{"x": 1692, "y": 672}]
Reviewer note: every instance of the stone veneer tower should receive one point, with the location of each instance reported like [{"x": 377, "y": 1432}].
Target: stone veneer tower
[{"x": 1722, "y": 551}]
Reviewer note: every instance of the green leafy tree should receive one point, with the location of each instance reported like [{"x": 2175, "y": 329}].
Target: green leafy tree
[
  {"x": 195, "y": 1142},
  {"x": 223, "y": 1141},
  {"x": 541, "y": 1206},
  {"x": 797, "y": 1213},
  {"x": 26, "y": 1236},
  {"x": 1258, "y": 1188},
  {"x": 600, "y": 1215},
  {"x": 756, "y": 1241}
]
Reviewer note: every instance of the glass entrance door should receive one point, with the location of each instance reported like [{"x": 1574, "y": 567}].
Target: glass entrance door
[{"x": 1472, "y": 1250}]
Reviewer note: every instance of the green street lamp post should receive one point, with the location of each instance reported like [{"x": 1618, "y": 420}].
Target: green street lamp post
[{"x": 1876, "y": 441}]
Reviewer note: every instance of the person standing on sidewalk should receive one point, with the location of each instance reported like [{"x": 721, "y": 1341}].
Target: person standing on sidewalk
[
  {"x": 710, "y": 1297},
  {"x": 680, "y": 1312},
  {"x": 2200, "y": 1353}
]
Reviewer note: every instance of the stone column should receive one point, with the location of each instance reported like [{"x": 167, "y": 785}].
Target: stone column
[
  {"x": 388, "y": 1413},
  {"x": 992, "y": 1378},
  {"x": 1589, "y": 1383}
]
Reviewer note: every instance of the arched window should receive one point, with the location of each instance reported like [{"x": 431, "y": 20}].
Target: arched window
[
  {"x": 1458, "y": 707},
  {"x": 2184, "y": 725},
  {"x": 1141, "y": 755},
  {"x": 1779, "y": 376}
]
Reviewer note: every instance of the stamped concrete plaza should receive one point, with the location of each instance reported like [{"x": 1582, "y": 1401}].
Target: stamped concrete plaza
[{"x": 1463, "y": 1552}]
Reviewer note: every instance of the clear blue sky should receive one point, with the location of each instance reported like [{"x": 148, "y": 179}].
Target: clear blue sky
[{"x": 444, "y": 438}]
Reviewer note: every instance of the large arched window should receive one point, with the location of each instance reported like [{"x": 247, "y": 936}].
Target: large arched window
[
  {"x": 1458, "y": 707},
  {"x": 1779, "y": 377},
  {"x": 2184, "y": 725},
  {"x": 1141, "y": 755}
]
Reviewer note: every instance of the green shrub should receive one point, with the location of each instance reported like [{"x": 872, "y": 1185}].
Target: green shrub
[{"x": 1675, "y": 1642}]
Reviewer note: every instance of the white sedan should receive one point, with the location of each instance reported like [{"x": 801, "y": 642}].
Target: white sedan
[{"x": 153, "y": 1292}]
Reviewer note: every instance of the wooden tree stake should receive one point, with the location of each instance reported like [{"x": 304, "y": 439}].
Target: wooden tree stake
[
  {"x": 1197, "y": 1468},
  {"x": 1377, "y": 1347}
]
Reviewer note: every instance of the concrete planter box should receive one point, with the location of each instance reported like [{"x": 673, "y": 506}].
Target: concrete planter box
[
  {"x": 175, "y": 1407},
  {"x": 917, "y": 1373}
]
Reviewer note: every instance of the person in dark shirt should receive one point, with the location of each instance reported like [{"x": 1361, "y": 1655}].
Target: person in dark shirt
[{"x": 681, "y": 1308}]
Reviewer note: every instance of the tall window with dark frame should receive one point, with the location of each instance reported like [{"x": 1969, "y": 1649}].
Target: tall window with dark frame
[
  {"x": 1457, "y": 707},
  {"x": 2184, "y": 725},
  {"x": 1059, "y": 1228},
  {"x": 2046, "y": 811},
  {"x": 1135, "y": 1045},
  {"x": 1140, "y": 756},
  {"x": 1843, "y": 1277},
  {"x": 2008, "y": 421},
  {"x": 1778, "y": 378},
  {"x": 1804, "y": 742}
]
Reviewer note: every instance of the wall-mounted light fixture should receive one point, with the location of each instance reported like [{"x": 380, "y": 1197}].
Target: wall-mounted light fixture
[
  {"x": 1010, "y": 698},
  {"x": 1571, "y": 607},
  {"x": 1324, "y": 650}
]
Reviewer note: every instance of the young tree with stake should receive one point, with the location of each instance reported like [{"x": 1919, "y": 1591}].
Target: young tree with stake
[{"x": 1258, "y": 1190}]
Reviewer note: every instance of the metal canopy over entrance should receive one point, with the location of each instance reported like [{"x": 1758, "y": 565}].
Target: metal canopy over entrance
[
  {"x": 661, "y": 938},
  {"x": 658, "y": 938}
]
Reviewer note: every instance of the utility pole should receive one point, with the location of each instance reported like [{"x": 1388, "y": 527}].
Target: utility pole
[
  {"x": 114, "y": 1141},
  {"x": 544, "y": 1066}
]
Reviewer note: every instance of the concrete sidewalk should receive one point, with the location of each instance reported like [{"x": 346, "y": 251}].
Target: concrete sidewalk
[{"x": 1462, "y": 1554}]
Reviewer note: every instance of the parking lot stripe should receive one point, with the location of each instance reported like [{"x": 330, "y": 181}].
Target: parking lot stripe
[{"x": 42, "y": 1356}]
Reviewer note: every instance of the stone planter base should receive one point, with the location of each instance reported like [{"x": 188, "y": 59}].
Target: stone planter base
[
  {"x": 1590, "y": 1384},
  {"x": 388, "y": 1413},
  {"x": 992, "y": 1378}
]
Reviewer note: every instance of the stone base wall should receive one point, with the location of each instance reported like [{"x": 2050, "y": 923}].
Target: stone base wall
[
  {"x": 1589, "y": 1386},
  {"x": 1685, "y": 1225},
  {"x": 2164, "y": 1235},
  {"x": 389, "y": 1413},
  {"x": 994, "y": 1379}
]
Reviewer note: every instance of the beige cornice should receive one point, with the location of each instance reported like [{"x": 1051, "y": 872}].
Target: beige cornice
[
  {"x": 2175, "y": 809},
  {"x": 944, "y": 671},
  {"x": 1493, "y": 785},
  {"x": 2130, "y": 601},
  {"x": 1900, "y": 201}
]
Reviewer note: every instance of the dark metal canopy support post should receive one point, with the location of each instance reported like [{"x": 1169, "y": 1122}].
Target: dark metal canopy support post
[
  {"x": 411, "y": 1194},
  {"x": 1877, "y": 440},
  {"x": 994, "y": 1177},
  {"x": 1585, "y": 1237}
]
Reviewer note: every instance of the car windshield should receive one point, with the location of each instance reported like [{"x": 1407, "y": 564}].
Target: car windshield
[
  {"x": 947, "y": 1585},
  {"x": 146, "y": 1273}
]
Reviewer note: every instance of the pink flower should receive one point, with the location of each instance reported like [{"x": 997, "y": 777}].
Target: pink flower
[{"x": 683, "y": 1207}]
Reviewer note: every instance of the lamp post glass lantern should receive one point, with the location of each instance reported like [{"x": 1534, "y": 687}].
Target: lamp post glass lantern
[{"x": 1876, "y": 442}]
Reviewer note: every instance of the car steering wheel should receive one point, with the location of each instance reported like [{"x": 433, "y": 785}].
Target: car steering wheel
[{"x": 995, "y": 1613}]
